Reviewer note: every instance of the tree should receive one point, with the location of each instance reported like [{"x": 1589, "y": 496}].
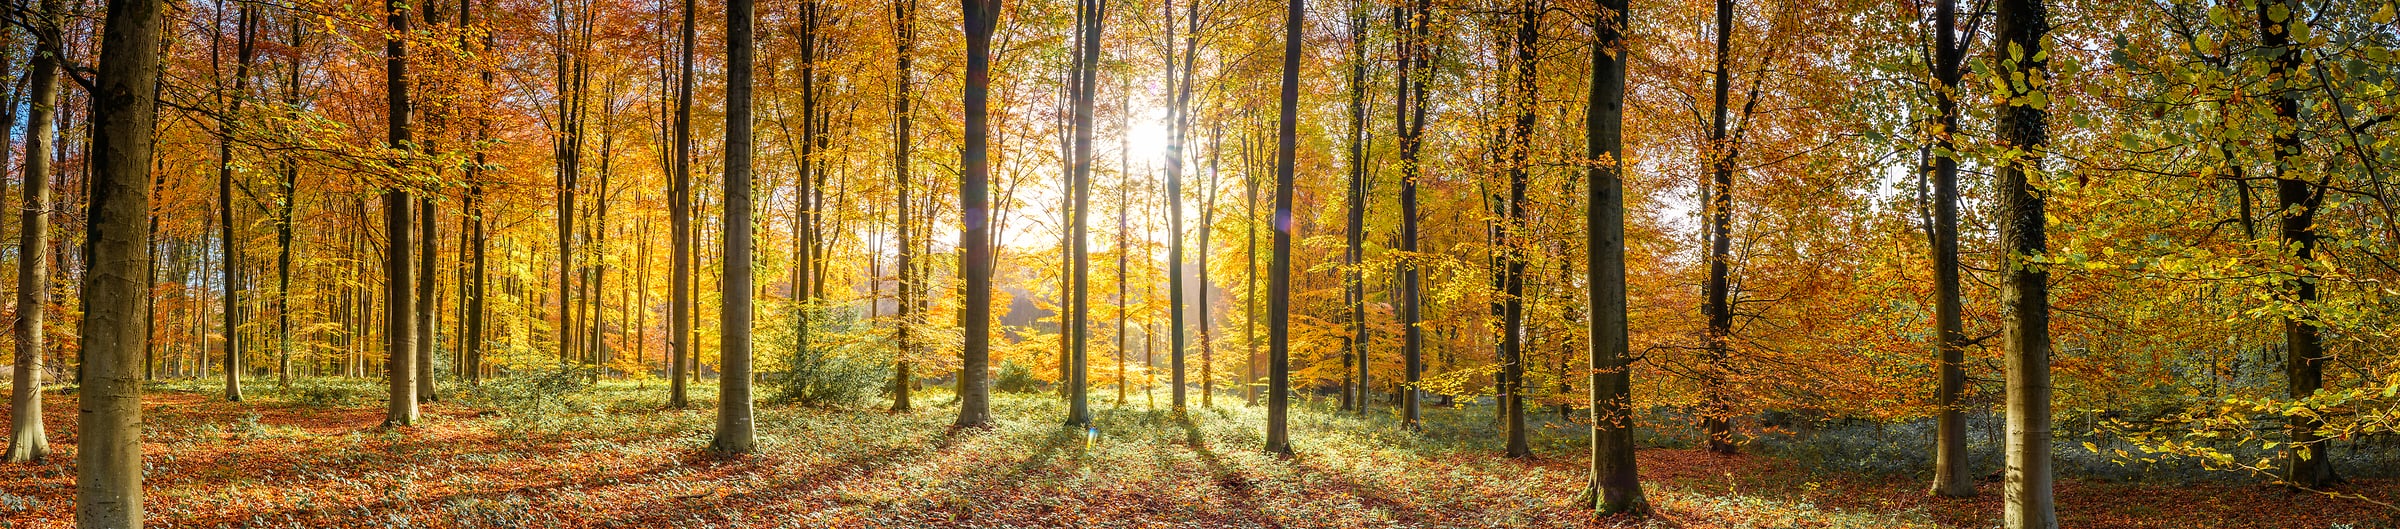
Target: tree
[
  {"x": 108, "y": 457},
  {"x": 399, "y": 333},
  {"x": 1179, "y": 119},
  {"x": 734, "y": 428},
  {"x": 1615, "y": 485},
  {"x": 26, "y": 439},
  {"x": 1279, "y": 281},
  {"x": 1721, "y": 150},
  {"x": 1950, "y": 474},
  {"x": 904, "y": 27},
  {"x": 679, "y": 214},
  {"x": 1416, "y": 69},
  {"x": 2020, "y": 54},
  {"x": 1513, "y": 235},
  {"x": 1354, "y": 280},
  {"x": 2304, "y": 358},
  {"x": 975, "y": 391},
  {"x": 1090, "y": 14},
  {"x": 247, "y": 28}
]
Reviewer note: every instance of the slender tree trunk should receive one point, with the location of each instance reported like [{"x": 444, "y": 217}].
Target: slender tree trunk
[
  {"x": 679, "y": 214},
  {"x": 1615, "y": 485},
  {"x": 1279, "y": 283},
  {"x": 1179, "y": 117},
  {"x": 974, "y": 388},
  {"x": 1091, "y": 16},
  {"x": 1208, "y": 218},
  {"x": 904, "y": 13},
  {"x": 108, "y": 457},
  {"x": 1413, "y": 77},
  {"x": 246, "y": 25},
  {"x": 2024, "y": 26},
  {"x": 2304, "y": 357},
  {"x": 399, "y": 309},
  {"x": 1950, "y": 474},
  {"x": 1354, "y": 288},
  {"x": 734, "y": 429},
  {"x": 1250, "y": 358},
  {"x": 1716, "y": 419},
  {"x": 26, "y": 439},
  {"x": 1512, "y": 339}
]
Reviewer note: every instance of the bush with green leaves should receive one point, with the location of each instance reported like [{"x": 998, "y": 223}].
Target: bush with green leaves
[{"x": 845, "y": 361}]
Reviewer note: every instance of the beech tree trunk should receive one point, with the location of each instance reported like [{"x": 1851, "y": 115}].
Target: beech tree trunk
[
  {"x": 1354, "y": 293},
  {"x": 2021, "y": 35},
  {"x": 974, "y": 196},
  {"x": 1951, "y": 477},
  {"x": 1512, "y": 339},
  {"x": 1615, "y": 485},
  {"x": 1716, "y": 417},
  {"x": 679, "y": 215},
  {"x": 26, "y": 439},
  {"x": 246, "y": 24},
  {"x": 735, "y": 433},
  {"x": 1279, "y": 282},
  {"x": 108, "y": 455},
  {"x": 1414, "y": 76},
  {"x": 1091, "y": 14},
  {"x": 399, "y": 307},
  {"x": 2304, "y": 352},
  {"x": 904, "y": 14}
]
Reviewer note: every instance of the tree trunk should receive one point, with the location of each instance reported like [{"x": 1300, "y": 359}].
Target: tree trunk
[
  {"x": 1512, "y": 339},
  {"x": 399, "y": 329},
  {"x": 1412, "y": 79},
  {"x": 1279, "y": 282},
  {"x": 679, "y": 214},
  {"x": 904, "y": 13},
  {"x": 974, "y": 388},
  {"x": 108, "y": 457},
  {"x": 1208, "y": 217},
  {"x": 2020, "y": 37},
  {"x": 1951, "y": 478},
  {"x": 1354, "y": 288},
  {"x": 26, "y": 439},
  {"x": 2304, "y": 356},
  {"x": 1716, "y": 418},
  {"x": 1091, "y": 16},
  {"x": 1615, "y": 485},
  {"x": 1250, "y": 371},
  {"x": 1178, "y": 115},
  {"x": 734, "y": 428},
  {"x": 247, "y": 28}
]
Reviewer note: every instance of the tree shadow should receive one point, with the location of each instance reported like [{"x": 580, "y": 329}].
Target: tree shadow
[{"x": 1241, "y": 493}]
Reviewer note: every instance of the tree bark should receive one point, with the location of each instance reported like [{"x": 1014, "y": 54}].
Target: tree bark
[
  {"x": 1512, "y": 339},
  {"x": 1951, "y": 477},
  {"x": 1721, "y": 149},
  {"x": 1279, "y": 282},
  {"x": 1412, "y": 79},
  {"x": 734, "y": 429},
  {"x": 2021, "y": 29},
  {"x": 679, "y": 214},
  {"x": 1091, "y": 15},
  {"x": 974, "y": 388},
  {"x": 904, "y": 14},
  {"x": 1354, "y": 293},
  {"x": 27, "y": 440},
  {"x": 399, "y": 307},
  {"x": 1615, "y": 485},
  {"x": 108, "y": 457},
  {"x": 246, "y": 24}
]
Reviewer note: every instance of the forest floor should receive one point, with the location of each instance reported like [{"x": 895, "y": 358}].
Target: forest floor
[{"x": 615, "y": 457}]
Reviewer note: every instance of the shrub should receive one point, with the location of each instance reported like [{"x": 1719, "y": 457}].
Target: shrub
[
  {"x": 1015, "y": 378},
  {"x": 841, "y": 366}
]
